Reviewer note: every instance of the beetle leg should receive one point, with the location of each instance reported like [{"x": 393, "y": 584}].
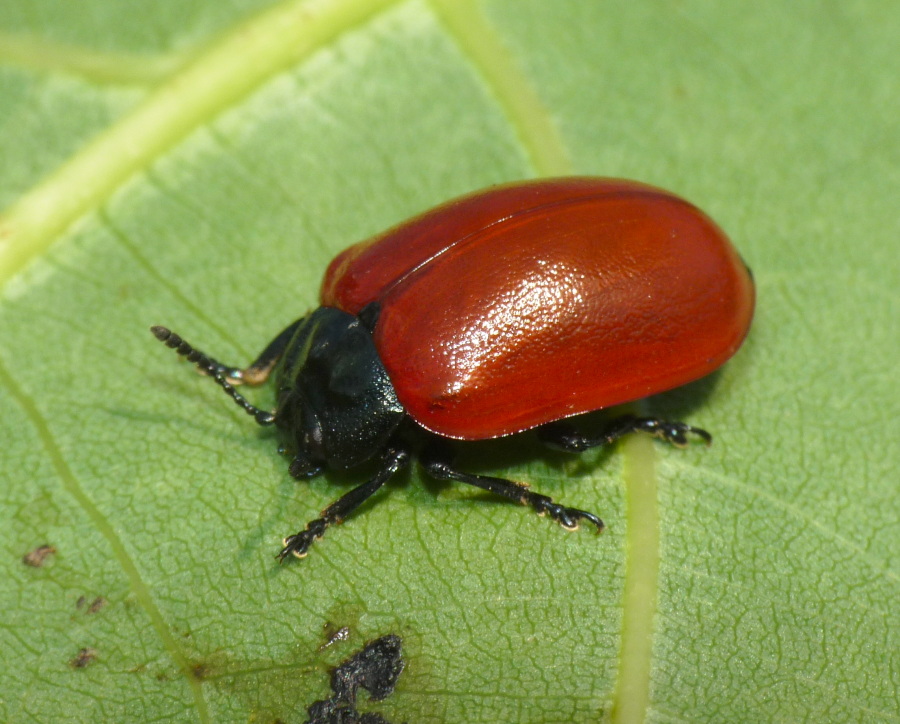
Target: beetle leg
[
  {"x": 562, "y": 436},
  {"x": 215, "y": 369},
  {"x": 438, "y": 464},
  {"x": 394, "y": 460},
  {"x": 262, "y": 367}
]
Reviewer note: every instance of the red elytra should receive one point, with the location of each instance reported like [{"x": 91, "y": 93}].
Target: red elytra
[{"x": 534, "y": 301}]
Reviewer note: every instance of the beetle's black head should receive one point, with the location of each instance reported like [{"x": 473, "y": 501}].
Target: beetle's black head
[{"x": 336, "y": 405}]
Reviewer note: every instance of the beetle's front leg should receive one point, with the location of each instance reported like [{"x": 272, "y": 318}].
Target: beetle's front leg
[
  {"x": 393, "y": 460},
  {"x": 262, "y": 366}
]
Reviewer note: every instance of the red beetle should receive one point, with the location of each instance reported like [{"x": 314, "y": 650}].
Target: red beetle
[{"x": 501, "y": 311}]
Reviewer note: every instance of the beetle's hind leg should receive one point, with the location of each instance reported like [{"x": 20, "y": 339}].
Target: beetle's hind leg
[
  {"x": 437, "y": 460},
  {"x": 393, "y": 460},
  {"x": 562, "y": 436}
]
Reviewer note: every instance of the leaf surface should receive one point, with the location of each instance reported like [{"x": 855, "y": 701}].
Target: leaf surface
[{"x": 197, "y": 165}]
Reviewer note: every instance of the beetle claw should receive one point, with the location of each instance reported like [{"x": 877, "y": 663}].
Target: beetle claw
[
  {"x": 299, "y": 543},
  {"x": 294, "y": 546},
  {"x": 568, "y": 518}
]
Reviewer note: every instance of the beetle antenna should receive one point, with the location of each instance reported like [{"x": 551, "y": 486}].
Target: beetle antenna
[{"x": 214, "y": 369}]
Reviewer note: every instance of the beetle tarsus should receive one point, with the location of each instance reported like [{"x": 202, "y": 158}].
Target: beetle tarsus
[
  {"x": 568, "y": 518},
  {"x": 299, "y": 543},
  {"x": 673, "y": 432}
]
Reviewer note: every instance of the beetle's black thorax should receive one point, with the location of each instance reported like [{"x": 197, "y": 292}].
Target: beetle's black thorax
[{"x": 336, "y": 405}]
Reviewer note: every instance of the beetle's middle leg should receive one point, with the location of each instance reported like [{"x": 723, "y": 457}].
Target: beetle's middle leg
[
  {"x": 437, "y": 460},
  {"x": 393, "y": 460}
]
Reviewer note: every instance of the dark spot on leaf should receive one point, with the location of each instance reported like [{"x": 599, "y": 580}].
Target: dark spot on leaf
[
  {"x": 38, "y": 556},
  {"x": 84, "y": 657},
  {"x": 376, "y": 668}
]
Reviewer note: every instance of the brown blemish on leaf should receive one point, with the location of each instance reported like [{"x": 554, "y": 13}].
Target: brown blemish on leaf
[
  {"x": 38, "y": 556},
  {"x": 83, "y": 658},
  {"x": 97, "y": 604}
]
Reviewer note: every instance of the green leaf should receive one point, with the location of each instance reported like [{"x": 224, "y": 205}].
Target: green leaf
[{"x": 197, "y": 164}]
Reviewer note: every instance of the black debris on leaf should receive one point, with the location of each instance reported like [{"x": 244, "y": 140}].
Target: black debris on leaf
[
  {"x": 339, "y": 712},
  {"x": 376, "y": 668}
]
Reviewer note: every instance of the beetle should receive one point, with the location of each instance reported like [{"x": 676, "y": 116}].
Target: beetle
[{"x": 509, "y": 309}]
